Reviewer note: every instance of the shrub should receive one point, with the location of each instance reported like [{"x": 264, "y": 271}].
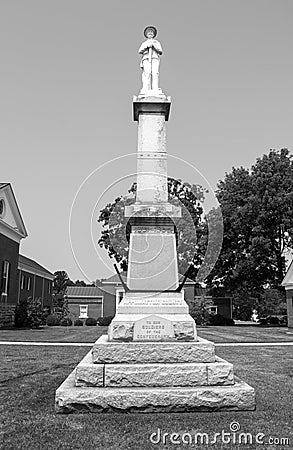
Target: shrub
[
  {"x": 273, "y": 320},
  {"x": 243, "y": 304},
  {"x": 66, "y": 322},
  {"x": 199, "y": 310},
  {"x": 218, "y": 319},
  {"x": 230, "y": 322},
  {"x": 46, "y": 313},
  {"x": 20, "y": 315},
  {"x": 91, "y": 322},
  {"x": 78, "y": 323},
  {"x": 35, "y": 312},
  {"x": 104, "y": 321},
  {"x": 53, "y": 320},
  {"x": 283, "y": 320}
]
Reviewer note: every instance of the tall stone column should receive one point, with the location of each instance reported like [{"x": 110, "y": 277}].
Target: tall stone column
[{"x": 152, "y": 309}]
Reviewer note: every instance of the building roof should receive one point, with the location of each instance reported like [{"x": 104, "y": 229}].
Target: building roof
[
  {"x": 12, "y": 221},
  {"x": 83, "y": 291},
  {"x": 29, "y": 265},
  {"x": 288, "y": 279}
]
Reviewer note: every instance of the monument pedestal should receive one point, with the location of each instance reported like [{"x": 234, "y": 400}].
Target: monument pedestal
[
  {"x": 161, "y": 316},
  {"x": 153, "y": 377}
]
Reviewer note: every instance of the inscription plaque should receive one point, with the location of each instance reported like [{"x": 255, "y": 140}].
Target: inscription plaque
[{"x": 153, "y": 328}]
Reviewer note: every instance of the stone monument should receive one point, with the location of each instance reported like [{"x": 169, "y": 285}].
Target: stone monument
[{"x": 152, "y": 358}]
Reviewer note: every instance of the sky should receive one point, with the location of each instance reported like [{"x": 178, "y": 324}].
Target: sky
[{"x": 69, "y": 71}]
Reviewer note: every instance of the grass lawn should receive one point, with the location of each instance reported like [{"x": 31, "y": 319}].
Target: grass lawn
[
  {"x": 91, "y": 334},
  {"x": 30, "y": 375}
]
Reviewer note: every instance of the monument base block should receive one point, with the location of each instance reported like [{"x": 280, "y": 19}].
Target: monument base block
[
  {"x": 150, "y": 377},
  {"x": 72, "y": 399},
  {"x": 152, "y": 327}
]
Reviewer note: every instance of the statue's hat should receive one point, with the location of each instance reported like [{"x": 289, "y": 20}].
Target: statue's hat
[{"x": 150, "y": 28}]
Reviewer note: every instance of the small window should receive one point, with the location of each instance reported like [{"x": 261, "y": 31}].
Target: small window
[
  {"x": 83, "y": 311},
  {"x": 22, "y": 281},
  {"x": 213, "y": 309},
  {"x": 5, "y": 277}
]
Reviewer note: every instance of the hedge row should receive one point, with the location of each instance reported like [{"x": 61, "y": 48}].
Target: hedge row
[{"x": 55, "y": 320}]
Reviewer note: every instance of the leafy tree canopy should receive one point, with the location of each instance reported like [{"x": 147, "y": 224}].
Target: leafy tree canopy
[{"x": 257, "y": 207}]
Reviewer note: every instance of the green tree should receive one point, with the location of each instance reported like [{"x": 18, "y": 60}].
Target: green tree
[
  {"x": 61, "y": 281},
  {"x": 257, "y": 207},
  {"x": 271, "y": 302},
  {"x": 191, "y": 230},
  {"x": 79, "y": 283}
]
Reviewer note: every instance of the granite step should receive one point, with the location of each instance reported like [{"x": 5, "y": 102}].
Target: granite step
[
  {"x": 105, "y": 351},
  {"x": 71, "y": 399},
  {"x": 153, "y": 374}
]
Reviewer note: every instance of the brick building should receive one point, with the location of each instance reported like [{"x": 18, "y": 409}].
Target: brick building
[
  {"x": 15, "y": 269},
  {"x": 34, "y": 281}
]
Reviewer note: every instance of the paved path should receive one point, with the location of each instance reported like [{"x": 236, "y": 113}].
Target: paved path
[{"x": 87, "y": 344}]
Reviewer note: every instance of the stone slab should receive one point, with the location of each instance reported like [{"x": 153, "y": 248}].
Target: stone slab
[
  {"x": 156, "y": 375},
  {"x": 159, "y": 104},
  {"x": 153, "y": 374},
  {"x": 105, "y": 351},
  {"x": 154, "y": 210},
  {"x": 153, "y": 303},
  {"x": 122, "y": 328},
  {"x": 71, "y": 399},
  {"x": 153, "y": 327},
  {"x": 89, "y": 374},
  {"x": 220, "y": 373},
  {"x": 163, "y": 375}
]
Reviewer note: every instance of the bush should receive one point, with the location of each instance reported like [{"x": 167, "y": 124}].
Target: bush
[
  {"x": 35, "y": 312},
  {"x": 46, "y": 313},
  {"x": 283, "y": 320},
  {"x": 199, "y": 310},
  {"x": 20, "y": 315},
  {"x": 273, "y": 320},
  {"x": 66, "y": 322},
  {"x": 219, "y": 320},
  {"x": 105, "y": 321},
  {"x": 78, "y": 323},
  {"x": 53, "y": 320},
  {"x": 230, "y": 322},
  {"x": 91, "y": 322},
  {"x": 243, "y": 304}
]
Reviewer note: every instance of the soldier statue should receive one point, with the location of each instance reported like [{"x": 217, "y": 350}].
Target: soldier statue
[{"x": 150, "y": 50}]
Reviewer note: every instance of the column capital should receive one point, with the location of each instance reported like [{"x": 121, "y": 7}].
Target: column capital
[{"x": 151, "y": 105}]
